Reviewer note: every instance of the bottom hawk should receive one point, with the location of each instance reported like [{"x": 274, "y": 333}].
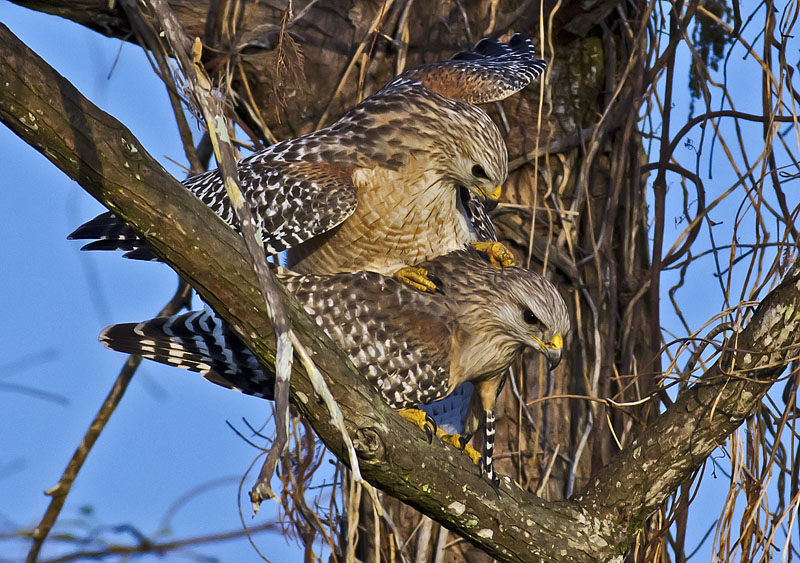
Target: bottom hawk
[{"x": 413, "y": 347}]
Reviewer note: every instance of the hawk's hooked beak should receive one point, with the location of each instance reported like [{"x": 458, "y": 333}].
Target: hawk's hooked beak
[
  {"x": 490, "y": 199},
  {"x": 551, "y": 350}
]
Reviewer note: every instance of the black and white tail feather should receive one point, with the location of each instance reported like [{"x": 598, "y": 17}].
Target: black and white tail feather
[
  {"x": 109, "y": 232},
  {"x": 197, "y": 341}
]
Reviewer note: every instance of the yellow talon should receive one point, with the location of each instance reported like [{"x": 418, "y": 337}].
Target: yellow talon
[
  {"x": 498, "y": 253},
  {"x": 416, "y": 417},
  {"x": 416, "y": 278},
  {"x": 421, "y": 419},
  {"x": 455, "y": 440}
]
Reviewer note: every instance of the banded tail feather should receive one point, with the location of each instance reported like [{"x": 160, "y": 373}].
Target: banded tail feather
[{"x": 197, "y": 341}]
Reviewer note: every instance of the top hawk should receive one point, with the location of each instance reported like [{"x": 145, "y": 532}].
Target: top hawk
[{"x": 403, "y": 177}]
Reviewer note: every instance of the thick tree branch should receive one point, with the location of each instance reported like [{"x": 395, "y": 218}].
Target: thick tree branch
[
  {"x": 678, "y": 442},
  {"x": 512, "y": 525}
]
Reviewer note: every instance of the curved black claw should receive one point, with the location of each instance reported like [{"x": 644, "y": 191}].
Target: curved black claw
[
  {"x": 463, "y": 440},
  {"x": 438, "y": 281},
  {"x": 421, "y": 420},
  {"x": 430, "y": 427}
]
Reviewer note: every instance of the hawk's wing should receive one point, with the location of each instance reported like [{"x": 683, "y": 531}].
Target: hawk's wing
[
  {"x": 291, "y": 201},
  {"x": 397, "y": 337},
  {"x": 490, "y": 71}
]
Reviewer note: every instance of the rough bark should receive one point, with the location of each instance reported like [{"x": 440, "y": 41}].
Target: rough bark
[{"x": 510, "y": 524}]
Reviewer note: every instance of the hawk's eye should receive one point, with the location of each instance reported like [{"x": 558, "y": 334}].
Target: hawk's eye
[
  {"x": 479, "y": 172},
  {"x": 529, "y": 317}
]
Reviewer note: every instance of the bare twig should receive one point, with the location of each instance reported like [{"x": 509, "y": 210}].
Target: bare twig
[
  {"x": 60, "y": 490},
  {"x": 163, "y": 547}
]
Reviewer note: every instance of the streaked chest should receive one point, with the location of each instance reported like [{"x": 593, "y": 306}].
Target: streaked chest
[{"x": 402, "y": 218}]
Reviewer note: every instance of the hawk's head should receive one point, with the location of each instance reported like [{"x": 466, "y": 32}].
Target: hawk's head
[
  {"x": 530, "y": 312},
  {"x": 457, "y": 143},
  {"x": 501, "y": 311},
  {"x": 504, "y": 310},
  {"x": 539, "y": 315},
  {"x": 479, "y": 159}
]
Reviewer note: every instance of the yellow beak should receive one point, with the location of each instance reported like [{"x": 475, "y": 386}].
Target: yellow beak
[
  {"x": 551, "y": 350},
  {"x": 496, "y": 193},
  {"x": 489, "y": 198}
]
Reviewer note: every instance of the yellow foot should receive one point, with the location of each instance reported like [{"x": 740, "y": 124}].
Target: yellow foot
[
  {"x": 455, "y": 440},
  {"x": 500, "y": 256},
  {"x": 416, "y": 278},
  {"x": 421, "y": 419}
]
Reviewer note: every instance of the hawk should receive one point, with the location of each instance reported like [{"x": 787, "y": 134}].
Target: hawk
[
  {"x": 405, "y": 176},
  {"x": 413, "y": 347}
]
